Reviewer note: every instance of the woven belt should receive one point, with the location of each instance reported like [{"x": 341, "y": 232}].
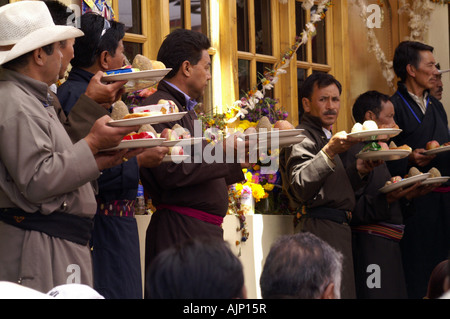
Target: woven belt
[
  {"x": 385, "y": 230},
  {"x": 120, "y": 208}
]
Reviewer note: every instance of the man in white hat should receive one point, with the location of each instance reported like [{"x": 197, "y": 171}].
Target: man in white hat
[{"x": 46, "y": 199}]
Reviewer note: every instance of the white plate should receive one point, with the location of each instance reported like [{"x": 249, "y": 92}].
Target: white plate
[
  {"x": 145, "y": 143},
  {"x": 373, "y": 134},
  {"x": 404, "y": 183},
  {"x": 154, "y": 119},
  {"x": 384, "y": 155},
  {"x": 138, "y": 80},
  {"x": 264, "y": 144},
  {"x": 436, "y": 180},
  {"x": 276, "y": 133},
  {"x": 437, "y": 150},
  {"x": 183, "y": 142},
  {"x": 150, "y": 75},
  {"x": 174, "y": 158}
]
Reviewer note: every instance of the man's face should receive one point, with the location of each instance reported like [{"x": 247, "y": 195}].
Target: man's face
[
  {"x": 426, "y": 72},
  {"x": 438, "y": 88},
  {"x": 51, "y": 65},
  {"x": 200, "y": 75},
  {"x": 118, "y": 60},
  {"x": 386, "y": 117},
  {"x": 324, "y": 104},
  {"x": 66, "y": 48}
]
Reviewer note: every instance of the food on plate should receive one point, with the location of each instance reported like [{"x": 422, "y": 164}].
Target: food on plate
[
  {"x": 384, "y": 146},
  {"x": 143, "y": 63},
  {"x": 392, "y": 146},
  {"x": 181, "y": 131},
  {"x": 139, "y": 136},
  {"x": 372, "y": 146},
  {"x": 393, "y": 180},
  {"x": 434, "y": 172},
  {"x": 432, "y": 145},
  {"x": 395, "y": 126},
  {"x": 172, "y": 135},
  {"x": 176, "y": 150},
  {"x": 147, "y": 128},
  {"x": 137, "y": 115},
  {"x": 172, "y": 107},
  {"x": 119, "y": 110},
  {"x": 264, "y": 125},
  {"x": 357, "y": 128},
  {"x": 369, "y": 125},
  {"x": 413, "y": 171},
  {"x": 283, "y": 125},
  {"x": 169, "y": 134}
]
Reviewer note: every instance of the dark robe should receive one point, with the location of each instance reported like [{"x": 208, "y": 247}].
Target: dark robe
[
  {"x": 426, "y": 241},
  {"x": 373, "y": 220},
  {"x": 196, "y": 185},
  {"x": 308, "y": 181}
]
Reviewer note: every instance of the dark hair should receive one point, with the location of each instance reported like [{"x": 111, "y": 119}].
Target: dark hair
[
  {"x": 408, "y": 52},
  {"x": 22, "y": 61},
  {"x": 369, "y": 101},
  {"x": 59, "y": 11},
  {"x": 196, "y": 270},
  {"x": 88, "y": 48},
  {"x": 437, "y": 279},
  {"x": 300, "y": 266},
  {"x": 182, "y": 45},
  {"x": 322, "y": 80}
]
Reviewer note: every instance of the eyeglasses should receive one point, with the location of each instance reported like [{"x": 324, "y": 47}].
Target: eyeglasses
[{"x": 106, "y": 27}]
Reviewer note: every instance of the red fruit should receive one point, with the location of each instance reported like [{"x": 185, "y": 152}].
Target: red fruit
[{"x": 432, "y": 144}]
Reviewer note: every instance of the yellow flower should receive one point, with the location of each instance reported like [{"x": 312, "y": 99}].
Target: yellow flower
[{"x": 268, "y": 187}]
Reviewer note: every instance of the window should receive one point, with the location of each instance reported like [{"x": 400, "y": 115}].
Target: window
[
  {"x": 186, "y": 14},
  {"x": 313, "y": 56},
  {"x": 129, "y": 13},
  {"x": 256, "y": 45}
]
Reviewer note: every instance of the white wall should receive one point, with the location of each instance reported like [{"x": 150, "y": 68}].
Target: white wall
[{"x": 439, "y": 38}]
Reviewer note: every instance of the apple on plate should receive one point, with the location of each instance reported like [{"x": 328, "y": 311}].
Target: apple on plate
[{"x": 432, "y": 145}]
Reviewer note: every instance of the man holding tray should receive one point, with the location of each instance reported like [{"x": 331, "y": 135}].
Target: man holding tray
[
  {"x": 46, "y": 197},
  {"x": 377, "y": 221},
  {"x": 320, "y": 190},
  {"x": 191, "y": 198},
  {"x": 422, "y": 118}
]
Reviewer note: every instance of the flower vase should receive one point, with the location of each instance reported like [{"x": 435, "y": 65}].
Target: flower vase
[{"x": 247, "y": 203}]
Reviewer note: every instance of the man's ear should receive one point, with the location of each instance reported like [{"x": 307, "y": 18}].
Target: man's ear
[
  {"x": 103, "y": 60},
  {"x": 411, "y": 70},
  {"x": 186, "y": 68},
  {"x": 39, "y": 56},
  {"x": 370, "y": 116},
  {"x": 306, "y": 105},
  {"x": 329, "y": 292}
]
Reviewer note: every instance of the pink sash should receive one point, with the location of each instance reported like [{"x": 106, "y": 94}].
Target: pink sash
[
  {"x": 442, "y": 189},
  {"x": 191, "y": 212}
]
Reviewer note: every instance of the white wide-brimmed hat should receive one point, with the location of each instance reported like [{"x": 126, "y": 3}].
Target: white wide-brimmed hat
[{"x": 28, "y": 25}]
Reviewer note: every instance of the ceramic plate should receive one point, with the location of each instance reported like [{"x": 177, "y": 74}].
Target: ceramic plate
[
  {"x": 373, "y": 134},
  {"x": 404, "y": 183},
  {"x": 264, "y": 144},
  {"x": 145, "y": 143},
  {"x": 437, "y": 150},
  {"x": 138, "y": 80},
  {"x": 154, "y": 119},
  {"x": 150, "y": 75},
  {"x": 385, "y": 155},
  {"x": 279, "y": 133},
  {"x": 436, "y": 180},
  {"x": 183, "y": 142}
]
